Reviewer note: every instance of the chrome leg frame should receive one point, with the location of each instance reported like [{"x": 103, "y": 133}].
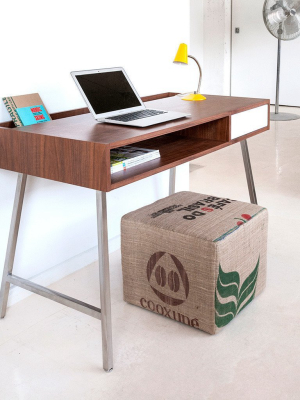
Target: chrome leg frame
[
  {"x": 104, "y": 281},
  {"x": 248, "y": 171},
  {"x": 12, "y": 242},
  {"x": 172, "y": 181},
  {"x": 8, "y": 278}
]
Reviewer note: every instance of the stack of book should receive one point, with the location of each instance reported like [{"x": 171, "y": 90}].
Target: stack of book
[{"x": 130, "y": 156}]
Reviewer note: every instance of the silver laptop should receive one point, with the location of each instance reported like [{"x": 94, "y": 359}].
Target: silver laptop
[{"x": 112, "y": 98}]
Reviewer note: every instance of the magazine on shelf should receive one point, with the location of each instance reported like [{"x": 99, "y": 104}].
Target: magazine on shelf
[{"x": 130, "y": 156}]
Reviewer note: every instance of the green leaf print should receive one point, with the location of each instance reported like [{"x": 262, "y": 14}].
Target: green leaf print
[{"x": 228, "y": 285}]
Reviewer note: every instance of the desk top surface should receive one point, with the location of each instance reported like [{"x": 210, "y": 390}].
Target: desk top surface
[{"x": 85, "y": 128}]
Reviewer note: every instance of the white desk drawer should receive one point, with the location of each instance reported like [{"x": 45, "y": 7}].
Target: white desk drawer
[{"x": 249, "y": 121}]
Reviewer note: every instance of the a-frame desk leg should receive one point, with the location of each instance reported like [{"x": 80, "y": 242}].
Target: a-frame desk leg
[
  {"x": 12, "y": 242},
  {"x": 104, "y": 313},
  {"x": 172, "y": 180},
  {"x": 248, "y": 170},
  {"x": 104, "y": 281}
]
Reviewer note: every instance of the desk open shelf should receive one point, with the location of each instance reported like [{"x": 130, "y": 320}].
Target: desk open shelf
[{"x": 176, "y": 148}]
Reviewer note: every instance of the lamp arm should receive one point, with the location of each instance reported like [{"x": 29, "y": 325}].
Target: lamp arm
[{"x": 200, "y": 78}]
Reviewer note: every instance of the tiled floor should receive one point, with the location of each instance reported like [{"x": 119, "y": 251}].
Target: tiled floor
[{"x": 50, "y": 352}]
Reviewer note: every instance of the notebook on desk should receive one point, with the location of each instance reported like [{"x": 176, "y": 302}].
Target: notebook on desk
[{"x": 112, "y": 98}]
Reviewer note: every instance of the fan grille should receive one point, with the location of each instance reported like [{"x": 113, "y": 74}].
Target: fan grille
[{"x": 282, "y": 18}]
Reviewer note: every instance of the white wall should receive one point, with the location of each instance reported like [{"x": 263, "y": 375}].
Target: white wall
[
  {"x": 254, "y": 51},
  {"x": 211, "y": 42},
  {"x": 254, "y": 57},
  {"x": 41, "y": 52},
  {"x": 217, "y": 43},
  {"x": 45, "y": 44},
  {"x": 196, "y": 43}
]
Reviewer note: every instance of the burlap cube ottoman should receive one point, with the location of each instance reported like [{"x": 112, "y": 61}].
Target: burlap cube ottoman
[{"x": 195, "y": 258}]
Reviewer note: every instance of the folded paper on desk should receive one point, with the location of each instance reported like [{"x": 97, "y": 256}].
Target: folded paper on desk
[
  {"x": 16, "y": 106},
  {"x": 130, "y": 156}
]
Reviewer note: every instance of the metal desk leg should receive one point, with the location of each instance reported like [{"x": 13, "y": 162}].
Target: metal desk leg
[
  {"x": 172, "y": 181},
  {"x": 104, "y": 281},
  {"x": 248, "y": 170},
  {"x": 12, "y": 242}
]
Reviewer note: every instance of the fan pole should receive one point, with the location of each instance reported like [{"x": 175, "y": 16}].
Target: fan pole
[
  {"x": 278, "y": 77},
  {"x": 280, "y": 116}
]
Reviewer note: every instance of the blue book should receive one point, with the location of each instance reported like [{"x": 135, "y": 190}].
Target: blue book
[{"x": 33, "y": 115}]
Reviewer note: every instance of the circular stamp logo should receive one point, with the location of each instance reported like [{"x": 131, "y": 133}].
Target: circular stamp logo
[{"x": 170, "y": 282}]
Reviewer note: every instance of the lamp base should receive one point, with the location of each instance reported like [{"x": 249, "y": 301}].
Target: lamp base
[{"x": 193, "y": 97}]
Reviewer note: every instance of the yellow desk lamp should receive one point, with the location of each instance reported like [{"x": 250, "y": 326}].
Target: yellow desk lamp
[{"x": 182, "y": 58}]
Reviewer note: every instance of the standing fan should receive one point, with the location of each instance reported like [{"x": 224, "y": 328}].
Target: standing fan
[{"x": 282, "y": 19}]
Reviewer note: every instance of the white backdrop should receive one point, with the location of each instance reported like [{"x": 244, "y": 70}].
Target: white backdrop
[
  {"x": 210, "y": 43},
  {"x": 254, "y": 52},
  {"x": 254, "y": 57},
  {"x": 41, "y": 46}
]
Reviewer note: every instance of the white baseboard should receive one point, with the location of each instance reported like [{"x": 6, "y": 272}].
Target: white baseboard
[{"x": 61, "y": 270}]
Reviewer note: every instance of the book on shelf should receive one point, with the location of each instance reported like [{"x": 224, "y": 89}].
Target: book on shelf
[
  {"x": 26, "y": 109},
  {"x": 129, "y": 156}
]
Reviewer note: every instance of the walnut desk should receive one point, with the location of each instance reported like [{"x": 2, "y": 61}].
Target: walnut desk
[{"x": 74, "y": 149}]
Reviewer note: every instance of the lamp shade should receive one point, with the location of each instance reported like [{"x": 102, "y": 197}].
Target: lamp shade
[{"x": 182, "y": 54}]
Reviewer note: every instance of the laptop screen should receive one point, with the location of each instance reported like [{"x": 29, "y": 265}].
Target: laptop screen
[{"x": 108, "y": 91}]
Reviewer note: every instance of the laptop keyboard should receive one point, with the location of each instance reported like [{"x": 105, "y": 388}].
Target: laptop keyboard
[{"x": 136, "y": 115}]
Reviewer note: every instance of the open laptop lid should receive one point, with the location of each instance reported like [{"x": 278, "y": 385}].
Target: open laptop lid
[{"x": 107, "y": 92}]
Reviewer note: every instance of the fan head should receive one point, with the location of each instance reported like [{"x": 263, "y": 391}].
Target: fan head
[{"x": 282, "y": 18}]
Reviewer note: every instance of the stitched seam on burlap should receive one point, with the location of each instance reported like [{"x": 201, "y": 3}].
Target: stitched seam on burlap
[
  {"x": 236, "y": 228},
  {"x": 217, "y": 250}
]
